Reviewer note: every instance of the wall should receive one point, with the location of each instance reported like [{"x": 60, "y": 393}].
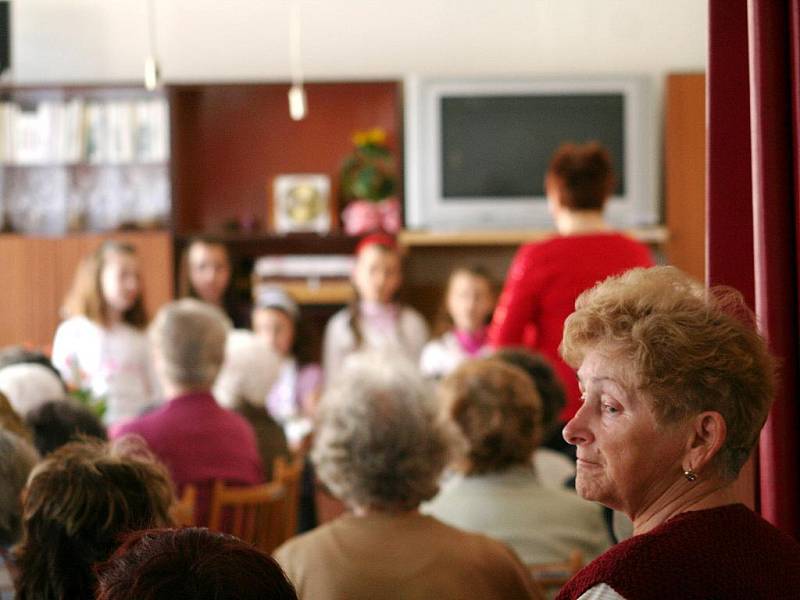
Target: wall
[{"x": 102, "y": 40}]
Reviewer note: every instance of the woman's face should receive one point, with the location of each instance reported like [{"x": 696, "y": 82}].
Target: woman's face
[
  {"x": 626, "y": 460},
  {"x": 119, "y": 281},
  {"x": 209, "y": 271},
  {"x": 469, "y": 301},
  {"x": 377, "y": 274},
  {"x": 276, "y": 328}
]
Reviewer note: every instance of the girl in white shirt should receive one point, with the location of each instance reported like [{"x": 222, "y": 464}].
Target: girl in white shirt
[
  {"x": 374, "y": 321},
  {"x": 468, "y": 304},
  {"x": 101, "y": 346}
]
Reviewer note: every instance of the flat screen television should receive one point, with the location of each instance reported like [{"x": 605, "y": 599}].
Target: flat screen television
[{"x": 477, "y": 150}]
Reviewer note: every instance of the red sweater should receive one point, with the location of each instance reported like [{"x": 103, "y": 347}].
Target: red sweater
[
  {"x": 721, "y": 553},
  {"x": 199, "y": 441},
  {"x": 540, "y": 291}
]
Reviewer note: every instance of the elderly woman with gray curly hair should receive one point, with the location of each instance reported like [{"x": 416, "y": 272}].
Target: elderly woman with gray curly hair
[
  {"x": 381, "y": 450},
  {"x": 676, "y": 385}
]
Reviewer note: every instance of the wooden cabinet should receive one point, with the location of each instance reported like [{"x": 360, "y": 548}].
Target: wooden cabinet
[{"x": 37, "y": 273}]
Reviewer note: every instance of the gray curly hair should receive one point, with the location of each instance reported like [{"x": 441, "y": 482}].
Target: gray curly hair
[{"x": 379, "y": 444}]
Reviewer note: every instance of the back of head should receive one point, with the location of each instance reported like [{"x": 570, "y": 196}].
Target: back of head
[
  {"x": 582, "y": 174},
  {"x": 59, "y": 422},
  {"x": 190, "y": 563},
  {"x": 14, "y": 355},
  {"x": 248, "y": 373},
  {"x": 378, "y": 444},
  {"x": 79, "y": 500},
  {"x": 17, "y": 458},
  {"x": 551, "y": 391},
  {"x": 188, "y": 337},
  {"x": 29, "y": 385},
  {"x": 497, "y": 410}
]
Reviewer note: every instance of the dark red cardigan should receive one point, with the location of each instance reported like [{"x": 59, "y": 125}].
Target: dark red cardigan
[{"x": 725, "y": 553}]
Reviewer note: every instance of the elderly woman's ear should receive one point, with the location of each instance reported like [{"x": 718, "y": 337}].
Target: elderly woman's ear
[{"x": 707, "y": 434}]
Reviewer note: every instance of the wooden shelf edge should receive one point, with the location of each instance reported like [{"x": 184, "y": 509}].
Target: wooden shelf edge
[{"x": 510, "y": 237}]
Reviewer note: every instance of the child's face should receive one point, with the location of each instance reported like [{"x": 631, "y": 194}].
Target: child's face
[
  {"x": 209, "y": 271},
  {"x": 119, "y": 281},
  {"x": 276, "y": 328},
  {"x": 469, "y": 301},
  {"x": 377, "y": 274}
]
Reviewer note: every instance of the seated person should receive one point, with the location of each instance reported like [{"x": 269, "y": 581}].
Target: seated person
[
  {"x": 58, "y": 422},
  {"x": 379, "y": 448},
  {"x": 197, "y": 439},
  {"x": 78, "y": 501},
  {"x": 190, "y": 563},
  {"x": 553, "y": 459},
  {"x": 17, "y": 458},
  {"x": 496, "y": 411},
  {"x": 249, "y": 371},
  {"x": 29, "y": 385}
]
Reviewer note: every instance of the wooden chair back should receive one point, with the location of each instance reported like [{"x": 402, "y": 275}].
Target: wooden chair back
[
  {"x": 290, "y": 475},
  {"x": 182, "y": 511},
  {"x": 551, "y": 576},
  {"x": 255, "y": 513}
]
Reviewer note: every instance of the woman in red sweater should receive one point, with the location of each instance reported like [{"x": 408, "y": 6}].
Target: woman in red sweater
[
  {"x": 546, "y": 277},
  {"x": 676, "y": 387}
]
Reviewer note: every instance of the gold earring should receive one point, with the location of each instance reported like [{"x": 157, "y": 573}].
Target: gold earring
[{"x": 690, "y": 475}]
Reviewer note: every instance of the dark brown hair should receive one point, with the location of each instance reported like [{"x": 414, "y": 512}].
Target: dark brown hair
[
  {"x": 190, "y": 563},
  {"x": 86, "y": 294},
  {"x": 497, "y": 409},
  {"x": 444, "y": 322},
  {"x": 78, "y": 501},
  {"x": 583, "y": 175},
  {"x": 185, "y": 288}
]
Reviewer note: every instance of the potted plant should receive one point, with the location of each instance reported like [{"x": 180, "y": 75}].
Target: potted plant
[{"x": 368, "y": 184}]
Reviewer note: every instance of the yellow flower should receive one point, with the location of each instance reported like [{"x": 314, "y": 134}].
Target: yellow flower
[{"x": 375, "y": 136}]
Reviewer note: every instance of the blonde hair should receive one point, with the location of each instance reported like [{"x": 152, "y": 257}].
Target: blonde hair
[
  {"x": 690, "y": 350},
  {"x": 85, "y": 297},
  {"x": 497, "y": 410}
]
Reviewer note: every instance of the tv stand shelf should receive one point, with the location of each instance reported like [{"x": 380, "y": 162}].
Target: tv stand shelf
[{"x": 509, "y": 237}]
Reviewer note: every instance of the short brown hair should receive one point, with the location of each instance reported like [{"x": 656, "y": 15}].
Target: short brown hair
[
  {"x": 582, "y": 174},
  {"x": 689, "y": 350},
  {"x": 77, "y": 503},
  {"x": 497, "y": 409},
  {"x": 86, "y": 294}
]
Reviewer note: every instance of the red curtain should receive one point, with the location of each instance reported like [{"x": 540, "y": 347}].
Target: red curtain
[{"x": 754, "y": 47}]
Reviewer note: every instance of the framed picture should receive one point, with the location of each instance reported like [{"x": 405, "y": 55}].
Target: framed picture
[{"x": 301, "y": 202}]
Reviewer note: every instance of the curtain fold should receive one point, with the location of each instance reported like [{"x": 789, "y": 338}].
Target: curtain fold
[{"x": 754, "y": 159}]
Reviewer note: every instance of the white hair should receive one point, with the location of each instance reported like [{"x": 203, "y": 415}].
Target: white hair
[
  {"x": 29, "y": 385},
  {"x": 188, "y": 337},
  {"x": 379, "y": 444},
  {"x": 248, "y": 372}
]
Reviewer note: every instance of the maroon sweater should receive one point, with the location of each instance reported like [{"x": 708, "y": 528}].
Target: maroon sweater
[
  {"x": 541, "y": 287},
  {"x": 721, "y": 553}
]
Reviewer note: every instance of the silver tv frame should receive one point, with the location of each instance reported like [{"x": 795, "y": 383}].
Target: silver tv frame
[{"x": 425, "y": 206}]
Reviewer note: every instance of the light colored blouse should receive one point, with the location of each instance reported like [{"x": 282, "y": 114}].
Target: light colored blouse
[
  {"x": 383, "y": 327},
  {"x": 110, "y": 362}
]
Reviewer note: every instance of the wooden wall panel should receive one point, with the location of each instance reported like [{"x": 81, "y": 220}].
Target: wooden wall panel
[
  {"x": 37, "y": 273},
  {"x": 685, "y": 172}
]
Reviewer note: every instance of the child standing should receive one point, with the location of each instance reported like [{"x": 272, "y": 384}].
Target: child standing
[
  {"x": 293, "y": 397},
  {"x": 468, "y": 303},
  {"x": 101, "y": 346},
  {"x": 374, "y": 320}
]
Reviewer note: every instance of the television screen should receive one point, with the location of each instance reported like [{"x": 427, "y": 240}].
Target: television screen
[{"x": 500, "y": 146}]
